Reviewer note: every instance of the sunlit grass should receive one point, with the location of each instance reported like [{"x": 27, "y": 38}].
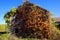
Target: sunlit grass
[
  {"x": 3, "y": 36},
  {"x": 57, "y": 31},
  {"x": 8, "y": 37}
]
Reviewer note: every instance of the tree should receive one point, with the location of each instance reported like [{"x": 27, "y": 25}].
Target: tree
[{"x": 8, "y": 15}]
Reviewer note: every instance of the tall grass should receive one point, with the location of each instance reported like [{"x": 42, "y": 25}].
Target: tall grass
[{"x": 8, "y": 37}]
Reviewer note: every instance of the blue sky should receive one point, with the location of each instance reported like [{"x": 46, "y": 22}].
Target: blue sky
[{"x": 52, "y": 5}]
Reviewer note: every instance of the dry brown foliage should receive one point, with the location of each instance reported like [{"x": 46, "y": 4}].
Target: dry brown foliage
[{"x": 31, "y": 21}]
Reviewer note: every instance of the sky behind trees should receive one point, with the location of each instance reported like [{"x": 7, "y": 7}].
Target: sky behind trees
[{"x": 51, "y": 5}]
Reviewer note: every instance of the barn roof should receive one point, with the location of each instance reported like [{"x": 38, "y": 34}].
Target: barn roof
[{"x": 57, "y": 19}]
